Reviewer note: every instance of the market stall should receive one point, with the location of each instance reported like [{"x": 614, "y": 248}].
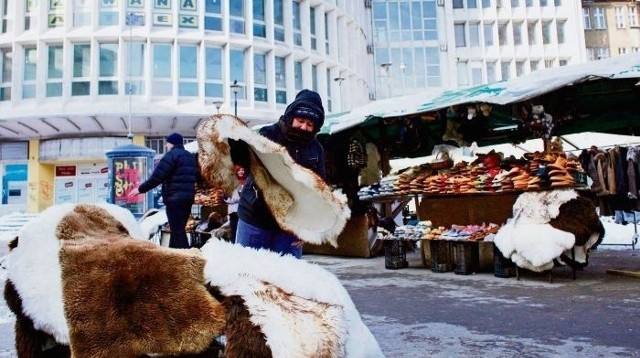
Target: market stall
[{"x": 599, "y": 96}]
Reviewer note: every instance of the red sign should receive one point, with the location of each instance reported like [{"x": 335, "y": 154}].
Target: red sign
[{"x": 66, "y": 171}]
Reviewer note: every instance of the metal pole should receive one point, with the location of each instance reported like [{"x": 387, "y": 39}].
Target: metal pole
[
  {"x": 130, "y": 135},
  {"x": 235, "y": 100}
]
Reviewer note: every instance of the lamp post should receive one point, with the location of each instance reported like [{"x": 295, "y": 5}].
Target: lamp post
[
  {"x": 385, "y": 68},
  {"x": 218, "y": 104},
  {"x": 339, "y": 80},
  {"x": 235, "y": 88}
]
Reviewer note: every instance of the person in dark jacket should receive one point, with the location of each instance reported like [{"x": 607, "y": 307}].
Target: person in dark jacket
[
  {"x": 296, "y": 131},
  {"x": 176, "y": 171}
]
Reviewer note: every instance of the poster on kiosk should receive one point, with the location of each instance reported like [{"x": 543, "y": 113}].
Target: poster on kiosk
[{"x": 129, "y": 166}]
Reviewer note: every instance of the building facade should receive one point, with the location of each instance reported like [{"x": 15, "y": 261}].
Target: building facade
[
  {"x": 83, "y": 76},
  {"x": 611, "y": 28},
  {"x": 459, "y": 43}
]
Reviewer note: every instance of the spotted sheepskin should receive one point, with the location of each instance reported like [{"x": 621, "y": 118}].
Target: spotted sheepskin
[
  {"x": 82, "y": 280},
  {"x": 300, "y": 201},
  {"x": 546, "y": 226},
  {"x": 78, "y": 277}
]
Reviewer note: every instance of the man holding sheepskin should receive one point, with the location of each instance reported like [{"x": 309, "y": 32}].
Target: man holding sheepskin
[{"x": 296, "y": 131}]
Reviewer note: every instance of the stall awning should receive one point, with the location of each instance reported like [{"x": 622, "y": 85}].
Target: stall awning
[{"x": 500, "y": 93}]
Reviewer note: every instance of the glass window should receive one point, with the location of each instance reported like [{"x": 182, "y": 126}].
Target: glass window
[
  {"x": 314, "y": 77},
  {"x": 29, "y": 72},
  {"x": 297, "y": 30},
  {"x": 429, "y": 20},
  {"x": 546, "y": 32},
  {"x": 528, "y": 3},
  {"x": 236, "y": 16},
  {"x": 531, "y": 33},
  {"x": 458, "y": 4},
  {"x": 312, "y": 28},
  {"x": 459, "y": 30},
  {"x": 161, "y": 82},
  {"x": 586, "y": 17},
  {"x": 505, "y": 68},
  {"x": 108, "y": 71},
  {"x": 108, "y": 13},
  {"x": 328, "y": 98},
  {"x": 237, "y": 65},
  {"x": 326, "y": 33},
  {"x": 599, "y": 18},
  {"x": 81, "y": 13},
  {"x": 517, "y": 33},
  {"x": 260, "y": 92},
  {"x": 213, "y": 72},
  {"x": 515, "y": 3},
  {"x": 557, "y": 2},
  {"x": 619, "y": 17},
  {"x": 502, "y": 34},
  {"x": 30, "y": 14},
  {"x": 486, "y": 3},
  {"x": 519, "y": 68},
  {"x": 633, "y": 16},
  {"x": 297, "y": 72},
  {"x": 213, "y": 15},
  {"x": 560, "y": 25},
  {"x": 188, "y": 81},
  {"x": 80, "y": 85},
  {"x": 544, "y": 2},
  {"x": 135, "y": 68},
  {"x": 7, "y": 62},
  {"x": 463, "y": 75},
  {"x": 54, "y": 71},
  {"x": 281, "y": 81},
  {"x": 474, "y": 34},
  {"x": 259, "y": 24},
  {"x": 278, "y": 20},
  {"x": 491, "y": 72},
  {"x": 534, "y": 65},
  {"x": 488, "y": 34},
  {"x": 472, "y": 4},
  {"x": 433, "y": 66}
]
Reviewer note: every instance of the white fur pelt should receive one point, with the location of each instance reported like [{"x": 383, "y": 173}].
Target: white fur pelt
[
  {"x": 312, "y": 311},
  {"x": 34, "y": 267},
  {"x": 300, "y": 201},
  {"x": 152, "y": 221},
  {"x": 527, "y": 238}
]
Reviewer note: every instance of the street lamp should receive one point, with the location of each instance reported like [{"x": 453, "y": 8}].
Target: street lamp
[
  {"x": 385, "y": 67},
  {"x": 235, "y": 88},
  {"x": 218, "y": 104}
]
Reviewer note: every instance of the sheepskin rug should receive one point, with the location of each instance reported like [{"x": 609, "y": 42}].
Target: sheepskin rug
[
  {"x": 546, "y": 226},
  {"x": 300, "y": 201},
  {"x": 85, "y": 275},
  {"x": 84, "y": 279},
  {"x": 302, "y": 309}
]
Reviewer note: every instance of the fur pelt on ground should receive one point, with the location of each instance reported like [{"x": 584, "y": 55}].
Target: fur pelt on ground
[
  {"x": 545, "y": 228},
  {"x": 78, "y": 279},
  {"x": 300, "y": 201},
  {"x": 302, "y": 309}
]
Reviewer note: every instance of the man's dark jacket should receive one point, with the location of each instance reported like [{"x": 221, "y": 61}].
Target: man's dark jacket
[{"x": 176, "y": 171}]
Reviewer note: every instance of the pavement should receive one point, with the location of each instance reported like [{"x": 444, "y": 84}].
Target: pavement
[{"x": 414, "y": 312}]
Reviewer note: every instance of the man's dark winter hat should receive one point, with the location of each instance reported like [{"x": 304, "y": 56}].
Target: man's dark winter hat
[
  {"x": 308, "y": 105},
  {"x": 175, "y": 139}
]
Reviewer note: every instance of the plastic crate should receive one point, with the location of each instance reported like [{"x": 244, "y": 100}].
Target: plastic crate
[
  {"x": 466, "y": 257},
  {"x": 441, "y": 260},
  {"x": 502, "y": 266},
  {"x": 395, "y": 255}
]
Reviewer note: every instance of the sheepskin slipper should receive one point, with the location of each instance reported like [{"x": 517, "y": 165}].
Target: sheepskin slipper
[{"x": 300, "y": 201}]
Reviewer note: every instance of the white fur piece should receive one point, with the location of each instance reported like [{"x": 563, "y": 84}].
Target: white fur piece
[
  {"x": 527, "y": 238},
  {"x": 149, "y": 225},
  {"x": 238, "y": 270},
  {"x": 34, "y": 270},
  {"x": 313, "y": 213}
]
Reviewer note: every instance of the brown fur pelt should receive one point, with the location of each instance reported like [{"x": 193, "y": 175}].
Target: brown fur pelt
[
  {"x": 579, "y": 217},
  {"x": 152, "y": 299}
]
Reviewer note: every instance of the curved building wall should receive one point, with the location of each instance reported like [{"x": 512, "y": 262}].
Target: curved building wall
[{"x": 81, "y": 68}]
